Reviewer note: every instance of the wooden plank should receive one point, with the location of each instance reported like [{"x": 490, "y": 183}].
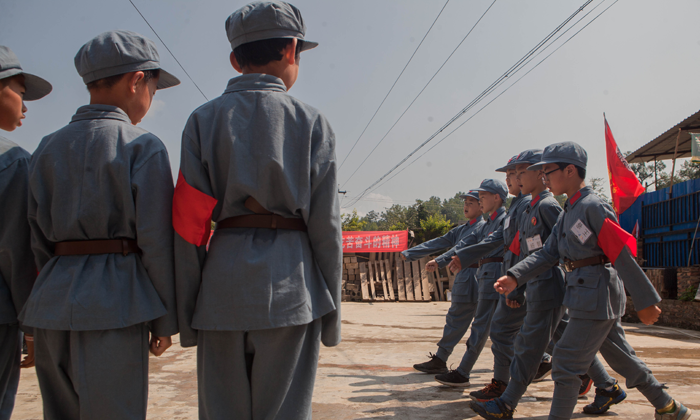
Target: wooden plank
[
  {"x": 390, "y": 283},
  {"x": 439, "y": 284},
  {"x": 418, "y": 295},
  {"x": 409, "y": 280},
  {"x": 381, "y": 276},
  {"x": 424, "y": 278},
  {"x": 370, "y": 271},
  {"x": 399, "y": 279},
  {"x": 363, "y": 281}
]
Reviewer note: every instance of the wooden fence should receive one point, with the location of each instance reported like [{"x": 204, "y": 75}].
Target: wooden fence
[{"x": 375, "y": 277}]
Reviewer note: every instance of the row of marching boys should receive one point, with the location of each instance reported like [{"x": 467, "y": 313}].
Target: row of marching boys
[
  {"x": 102, "y": 258},
  {"x": 540, "y": 279}
]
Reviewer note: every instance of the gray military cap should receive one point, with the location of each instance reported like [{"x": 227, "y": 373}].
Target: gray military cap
[
  {"x": 266, "y": 20},
  {"x": 531, "y": 156},
  {"x": 565, "y": 152},
  {"x": 494, "y": 186},
  {"x": 118, "y": 52},
  {"x": 471, "y": 193},
  {"x": 509, "y": 165},
  {"x": 35, "y": 86}
]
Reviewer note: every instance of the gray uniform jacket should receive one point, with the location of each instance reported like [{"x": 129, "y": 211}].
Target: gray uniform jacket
[
  {"x": 488, "y": 273},
  {"x": 100, "y": 177},
  {"x": 502, "y": 237},
  {"x": 466, "y": 287},
  {"x": 596, "y": 291},
  {"x": 257, "y": 141},
  {"x": 17, "y": 268},
  {"x": 546, "y": 291}
]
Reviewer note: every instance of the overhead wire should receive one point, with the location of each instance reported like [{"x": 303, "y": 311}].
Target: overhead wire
[
  {"x": 510, "y": 86},
  {"x": 393, "y": 85},
  {"x": 511, "y": 71},
  {"x": 419, "y": 94},
  {"x": 166, "y": 47}
]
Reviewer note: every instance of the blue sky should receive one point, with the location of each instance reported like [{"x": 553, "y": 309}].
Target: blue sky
[{"x": 638, "y": 63}]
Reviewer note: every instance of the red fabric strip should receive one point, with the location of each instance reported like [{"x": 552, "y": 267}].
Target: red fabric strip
[
  {"x": 575, "y": 197},
  {"x": 535, "y": 200},
  {"x": 192, "y": 212},
  {"x": 515, "y": 245},
  {"x": 612, "y": 240}
]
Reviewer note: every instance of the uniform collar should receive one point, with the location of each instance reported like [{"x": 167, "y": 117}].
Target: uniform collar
[
  {"x": 497, "y": 213},
  {"x": 474, "y": 220},
  {"x": 256, "y": 81},
  {"x": 540, "y": 196},
  {"x": 95, "y": 112},
  {"x": 570, "y": 202}
]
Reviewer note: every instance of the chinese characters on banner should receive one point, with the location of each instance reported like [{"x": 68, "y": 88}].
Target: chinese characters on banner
[{"x": 385, "y": 241}]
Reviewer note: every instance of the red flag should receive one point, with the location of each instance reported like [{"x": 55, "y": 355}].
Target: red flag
[
  {"x": 635, "y": 230},
  {"x": 624, "y": 185},
  {"x": 515, "y": 245}
]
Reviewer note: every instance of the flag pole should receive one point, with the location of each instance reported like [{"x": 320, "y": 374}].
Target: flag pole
[{"x": 673, "y": 169}]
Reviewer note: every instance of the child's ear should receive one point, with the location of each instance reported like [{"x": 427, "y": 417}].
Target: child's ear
[
  {"x": 134, "y": 79},
  {"x": 234, "y": 63},
  {"x": 290, "y": 52}
]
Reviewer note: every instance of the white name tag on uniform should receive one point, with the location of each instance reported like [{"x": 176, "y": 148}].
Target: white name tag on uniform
[
  {"x": 534, "y": 243},
  {"x": 507, "y": 223},
  {"x": 581, "y": 231}
]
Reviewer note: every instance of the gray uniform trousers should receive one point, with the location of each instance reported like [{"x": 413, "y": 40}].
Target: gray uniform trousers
[
  {"x": 457, "y": 321},
  {"x": 10, "y": 355},
  {"x": 505, "y": 326},
  {"x": 101, "y": 374},
  {"x": 258, "y": 374},
  {"x": 539, "y": 329},
  {"x": 575, "y": 351},
  {"x": 481, "y": 326}
]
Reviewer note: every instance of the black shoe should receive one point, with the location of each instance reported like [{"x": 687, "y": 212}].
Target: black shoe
[
  {"x": 604, "y": 400},
  {"x": 586, "y": 383},
  {"x": 453, "y": 378},
  {"x": 434, "y": 365},
  {"x": 493, "y": 390},
  {"x": 543, "y": 371}
]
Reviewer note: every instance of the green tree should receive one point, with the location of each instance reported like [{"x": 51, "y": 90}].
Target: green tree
[
  {"x": 433, "y": 227},
  {"x": 453, "y": 209},
  {"x": 352, "y": 222},
  {"x": 600, "y": 186},
  {"x": 689, "y": 170}
]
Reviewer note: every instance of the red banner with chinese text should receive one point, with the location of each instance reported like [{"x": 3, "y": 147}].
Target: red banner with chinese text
[
  {"x": 383, "y": 241},
  {"x": 624, "y": 184}
]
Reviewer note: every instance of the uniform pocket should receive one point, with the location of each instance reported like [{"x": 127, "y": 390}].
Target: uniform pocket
[{"x": 582, "y": 288}]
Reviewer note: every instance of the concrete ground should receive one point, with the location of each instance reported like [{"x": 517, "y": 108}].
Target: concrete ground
[{"x": 369, "y": 375}]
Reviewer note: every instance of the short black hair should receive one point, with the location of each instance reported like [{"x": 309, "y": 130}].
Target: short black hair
[
  {"x": 259, "y": 53},
  {"x": 6, "y": 81},
  {"x": 110, "y": 81},
  {"x": 581, "y": 171}
]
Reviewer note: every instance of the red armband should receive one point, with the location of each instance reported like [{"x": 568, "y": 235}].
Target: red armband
[
  {"x": 612, "y": 240},
  {"x": 192, "y": 212},
  {"x": 515, "y": 245}
]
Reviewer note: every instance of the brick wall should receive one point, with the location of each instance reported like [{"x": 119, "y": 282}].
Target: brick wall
[
  {"x": 674, "y": 313},
  {"x": 688, "y": 277}
]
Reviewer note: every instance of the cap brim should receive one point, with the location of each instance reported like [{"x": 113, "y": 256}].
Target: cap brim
[
  {"x": 537, "y": 166},
  {"x": 35, "y": 87},
  {"x": 505, "y": 168},
  {"x": 166, "y": 80},
  {"x": 308, "y": 45}
]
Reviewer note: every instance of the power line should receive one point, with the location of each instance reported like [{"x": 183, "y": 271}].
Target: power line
[
  {"x": 166, "y": 47},
  {"x": 513, "y": 70},
  {"x": 419, "y": 94},
  {"x": 508, "y": 88},
  {"x": 392, "y": 86}
]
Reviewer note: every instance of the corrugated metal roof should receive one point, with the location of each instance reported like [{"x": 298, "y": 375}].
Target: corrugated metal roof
[{"x": 663, "y": 146}]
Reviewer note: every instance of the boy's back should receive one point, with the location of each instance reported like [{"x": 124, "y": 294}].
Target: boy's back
[{"x": 257, "y": 141}]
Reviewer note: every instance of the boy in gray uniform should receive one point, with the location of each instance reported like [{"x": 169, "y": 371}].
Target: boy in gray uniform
[
  {"x": 17, "y": 268},
  {"x": 100, "y": 205},
  {"x": 594, "y": 249},
  {"x": 492, "y": 195},
  {"x": 465, "y": 291},
  {"x": 261, "y": 164},
  {"x": 508, "y": 313},
  {"x": 544, "y": 298}
]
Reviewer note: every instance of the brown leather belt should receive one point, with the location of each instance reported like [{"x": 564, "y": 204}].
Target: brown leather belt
[
  {"x": 570, "y": 266},
  {"x": 265, "y": 221},
  {"x": 490, "y": 260},
  {"x": 474, "y": 266},
  {"x": 98, "y": 246}
]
